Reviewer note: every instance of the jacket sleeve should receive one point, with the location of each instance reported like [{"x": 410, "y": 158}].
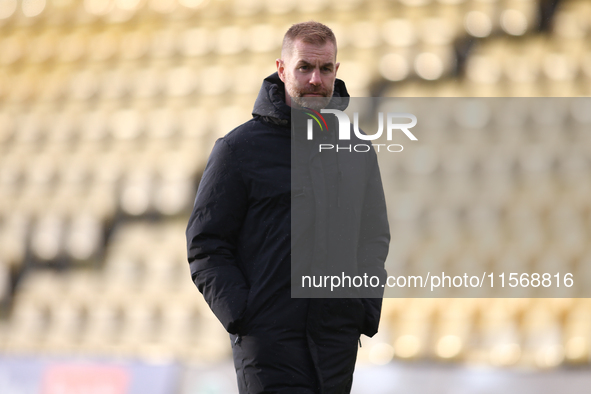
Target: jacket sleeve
[
  {"x": 212, "y": 235},
  {"x": 373, "y": 244}
]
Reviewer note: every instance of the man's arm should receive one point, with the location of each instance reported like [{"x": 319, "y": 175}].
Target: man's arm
[
  {"x": 373, "y": 244},
  {"x": 212, "y": 236}
]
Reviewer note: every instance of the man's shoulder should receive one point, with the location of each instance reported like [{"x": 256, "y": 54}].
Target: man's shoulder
[
  {"x": 240, "y": 132},
  {"x": 248, "y": 133}
]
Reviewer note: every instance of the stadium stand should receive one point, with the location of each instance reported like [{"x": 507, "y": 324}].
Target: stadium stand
[{"x": 108, "y": 111}]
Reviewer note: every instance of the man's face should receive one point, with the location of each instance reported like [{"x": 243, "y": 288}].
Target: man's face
[{"x": 308, "y": 72}]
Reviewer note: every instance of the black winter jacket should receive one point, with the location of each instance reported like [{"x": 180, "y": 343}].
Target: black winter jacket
[{"x": 240, "y": 238}]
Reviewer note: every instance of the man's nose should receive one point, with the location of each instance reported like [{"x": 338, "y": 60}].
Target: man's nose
[{"x": 315, "y": 78}]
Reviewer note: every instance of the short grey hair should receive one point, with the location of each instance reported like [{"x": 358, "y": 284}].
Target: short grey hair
[{"x": 310, "y": 32}]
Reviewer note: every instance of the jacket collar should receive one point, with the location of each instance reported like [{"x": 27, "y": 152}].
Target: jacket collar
[{"x": 270, "y": 103}]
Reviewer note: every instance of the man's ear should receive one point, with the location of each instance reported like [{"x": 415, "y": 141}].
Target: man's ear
[
  {"x": 280, "y": 69},
  {"x": 336, "y": 68}
]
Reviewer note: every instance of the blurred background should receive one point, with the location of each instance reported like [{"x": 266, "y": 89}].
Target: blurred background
[{"x": 108, "y": 111}]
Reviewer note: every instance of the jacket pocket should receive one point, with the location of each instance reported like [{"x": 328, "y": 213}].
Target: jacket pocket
[
  {"x": 344, "y": 315},
  {"x": 246, "y": 316}
]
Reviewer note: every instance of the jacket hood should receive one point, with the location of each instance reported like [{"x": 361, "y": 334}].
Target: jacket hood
[{"x": 270, "y": 103}]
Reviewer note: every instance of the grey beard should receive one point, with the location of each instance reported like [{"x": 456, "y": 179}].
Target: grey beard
[{"x": 316, "y": 103}]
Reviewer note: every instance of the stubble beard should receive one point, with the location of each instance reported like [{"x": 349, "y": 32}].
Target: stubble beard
[{"x": 316, "y": 103}]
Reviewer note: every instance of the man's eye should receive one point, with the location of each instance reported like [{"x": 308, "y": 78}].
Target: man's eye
[{"x": 303, "y": 68}]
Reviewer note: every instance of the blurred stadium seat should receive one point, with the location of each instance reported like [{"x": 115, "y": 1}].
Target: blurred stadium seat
[{"x": 108, "y": 110}]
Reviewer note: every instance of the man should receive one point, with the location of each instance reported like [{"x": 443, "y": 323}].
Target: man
[{"x": 252, "y": 208}]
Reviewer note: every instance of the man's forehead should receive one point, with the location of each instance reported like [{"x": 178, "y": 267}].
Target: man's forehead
[{"x": 305, "y": 51}]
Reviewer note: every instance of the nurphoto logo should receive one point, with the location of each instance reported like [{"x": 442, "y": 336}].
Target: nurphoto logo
[{"x": 344, "y": 134}]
